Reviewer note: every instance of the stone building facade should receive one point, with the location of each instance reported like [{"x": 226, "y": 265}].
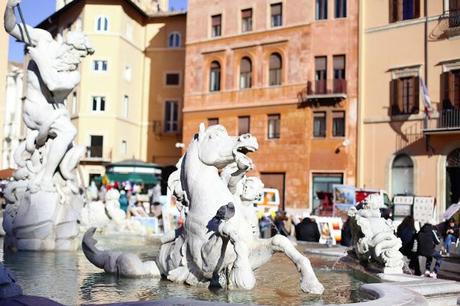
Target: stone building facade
[
  {"x": 402, "y": 150},
  {"x": 285, "y": 71}
]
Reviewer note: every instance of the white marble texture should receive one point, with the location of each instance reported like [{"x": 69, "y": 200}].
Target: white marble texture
[
  {"x": 44, "y": 199},
  {"x": 219, "y": 243}
]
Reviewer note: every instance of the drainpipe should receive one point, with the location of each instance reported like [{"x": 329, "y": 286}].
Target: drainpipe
[{"x": 425, "y": 39}]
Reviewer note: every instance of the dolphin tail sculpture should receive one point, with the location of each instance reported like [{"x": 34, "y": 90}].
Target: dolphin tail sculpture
[{"x": 122, "y": 264}]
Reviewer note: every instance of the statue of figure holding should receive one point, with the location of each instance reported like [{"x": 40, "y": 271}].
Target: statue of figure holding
[
  {"x": 52, "y": 74},
  {"x": 44, "y": 200}
]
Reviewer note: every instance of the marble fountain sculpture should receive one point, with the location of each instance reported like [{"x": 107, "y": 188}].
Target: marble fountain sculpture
[
  {"x": 373, "y": 237},
  {"x": 219, "y": 244},
  {"x": 44, "y": 199}
]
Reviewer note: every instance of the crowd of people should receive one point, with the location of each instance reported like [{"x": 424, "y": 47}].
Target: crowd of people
[
  {"x": 424, "y": 243},
  {"x": 132, "y": 198}
]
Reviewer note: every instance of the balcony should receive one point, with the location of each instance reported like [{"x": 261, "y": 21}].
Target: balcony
[
  {"x": 324, "y": 91},
  {"x": 452, "y": 21},
  {"x": 448, "y": 122}
]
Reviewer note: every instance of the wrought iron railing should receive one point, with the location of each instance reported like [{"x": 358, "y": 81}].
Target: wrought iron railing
[
  {"x": 453, "y": 17},
  {"x": 326, "y": 87},
  {"x": 449, "y": 118}
]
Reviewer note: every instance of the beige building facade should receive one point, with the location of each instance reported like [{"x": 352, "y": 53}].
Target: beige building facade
[
  {"x": 403, "y": 45},
  {"x": 115, "y": 108}
]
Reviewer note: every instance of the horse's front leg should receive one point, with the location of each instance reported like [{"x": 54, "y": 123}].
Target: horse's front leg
[
  {"x": 241, "y": 274},
  {"x": 308, "y": 281}
]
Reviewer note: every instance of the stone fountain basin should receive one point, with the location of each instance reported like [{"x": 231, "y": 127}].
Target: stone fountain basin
[{"x": 68, "y": 278}]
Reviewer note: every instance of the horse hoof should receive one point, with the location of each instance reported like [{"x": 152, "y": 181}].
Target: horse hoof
[{"x": 312, "y": 287}]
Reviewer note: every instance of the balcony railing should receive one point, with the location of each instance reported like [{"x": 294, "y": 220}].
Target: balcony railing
[
  {"x": 448, "y": 121},
  {"x": 451, "y": 20},
  {"x": 324, "y": 89}
]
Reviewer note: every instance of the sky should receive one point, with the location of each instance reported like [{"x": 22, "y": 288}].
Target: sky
[{"x": 34, "y": 13}]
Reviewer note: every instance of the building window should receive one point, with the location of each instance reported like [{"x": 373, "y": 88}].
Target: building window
[
  {"x": 404, "y": 9},
  {"x": 171, "y": 116},
  {"x": 450, "y": 90},
  {"x": 276, "y": 15},
  {"x": 322, "y": 189},
  {"x": 96, "y": 146},
  {"x": 339, "y": 74},
  {"x": 174, "y": 40},
  {"x": 321, "y": 9},
  {"x": 125, "y": 106},
  {"x": 127, "y": 73},
  {"x": 274, "y": 126},
  {"x": 74, "y": 103},
  {"x": 275, "y": 69},
  {"x": 244, "y": 125},
  {"x": 404, "y": 96},
  {"x": 213, "y": 121},
  {"x": 214, "y": 77},
  {"x": 319, "y": 124},
  {"x": 402, "y": 178},
  {"x": 98, "y": 104},
  {"x": 124, "y": 147},
  {"x": 99, "y": 65},
  {"x": 216, "y": 25},
  {"x": 102, "y": 24},
  {"x": 246, "y": 20},
  {"x": 245, "y": 73},
  {"x": 340, "y": 8},
  {"x": 338, "y": 124},
  {"x": 320, "y": 74},
  {"x": 172, "y": 79}
]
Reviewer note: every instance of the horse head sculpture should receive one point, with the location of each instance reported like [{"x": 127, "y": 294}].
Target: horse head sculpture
[{"x": 218, "y": 244}]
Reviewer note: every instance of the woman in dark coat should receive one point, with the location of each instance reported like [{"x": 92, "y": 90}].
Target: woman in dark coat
[{"x": 407, "y": 233}]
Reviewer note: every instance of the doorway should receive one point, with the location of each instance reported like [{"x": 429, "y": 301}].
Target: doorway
[
  {"x": 277, "y": 181},
  {"x": 453, "y": 178}
]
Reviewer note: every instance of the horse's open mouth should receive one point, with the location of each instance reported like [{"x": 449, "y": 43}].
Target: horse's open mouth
[{"x": 246, "y": 149}]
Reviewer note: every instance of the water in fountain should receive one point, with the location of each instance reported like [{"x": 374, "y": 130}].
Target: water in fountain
[{"x": 69, "y": 278}]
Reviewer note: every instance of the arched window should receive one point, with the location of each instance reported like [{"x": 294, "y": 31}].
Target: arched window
[
  {"x": 214, "y": 77},
  {"x": 276, "y": 66},
  {"x": 174, "y": 40},
  {"x": 402, "y": 175},
  {"x": 102, "y": 24},
  {"x": 245, "y": 73}
]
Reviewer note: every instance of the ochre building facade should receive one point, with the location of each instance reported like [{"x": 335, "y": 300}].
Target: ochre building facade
[{"x": 286, "y": 72}]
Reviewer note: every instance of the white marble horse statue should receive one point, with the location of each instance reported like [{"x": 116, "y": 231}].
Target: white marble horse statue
[{"x": 218, "y": 243}]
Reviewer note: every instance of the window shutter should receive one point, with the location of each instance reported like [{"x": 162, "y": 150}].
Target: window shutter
[
  {"x": 276, "y": 9},
  {"x": 416, "y": 8},
  {"x": 246, "y": 13},
  {"x": 416, "y": 97},
  {"x": 216, "y": 20},
  {"x": 391, "y": 10},
  {"x": 395, "y": 97},
  {"x": 444, "y": 88}
]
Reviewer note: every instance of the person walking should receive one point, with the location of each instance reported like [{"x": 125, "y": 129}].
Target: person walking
[
  {"x": 407, "y": 233},
  {"x": 427, "y": 241}
]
